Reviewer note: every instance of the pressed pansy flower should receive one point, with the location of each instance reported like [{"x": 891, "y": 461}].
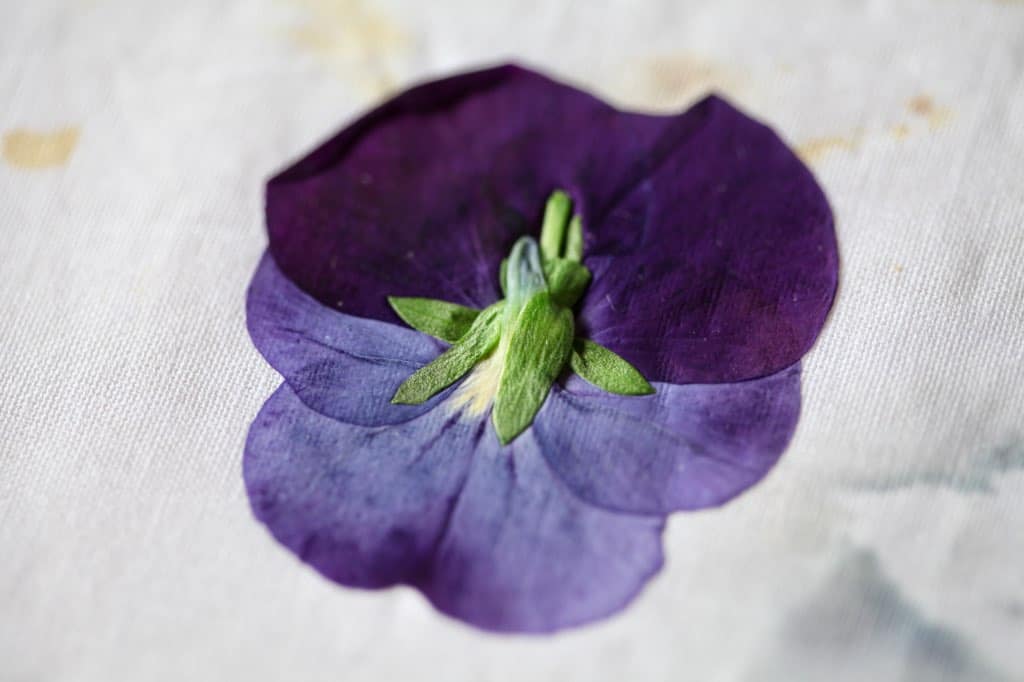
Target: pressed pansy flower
[{"x": 518, "y": 328}]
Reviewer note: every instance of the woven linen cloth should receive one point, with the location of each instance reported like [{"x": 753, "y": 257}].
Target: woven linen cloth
[{"x": 136, "y": 139}]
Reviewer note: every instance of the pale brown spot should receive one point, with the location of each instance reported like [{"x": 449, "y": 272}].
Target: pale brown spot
[
  {"x": 900, "y": 131},
  {"x": 671, "y": 81},
  {"x": 922, "y": 105},
  {"x": 25, "y": 148},
  {"x": 818, "y": 148},
  {"x": 355, "y": 39},
  {"x": 897, "y": 268},
  {"x": 925, "y": 107}
]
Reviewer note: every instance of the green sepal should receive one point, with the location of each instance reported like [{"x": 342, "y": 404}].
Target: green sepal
[
  {"x": 539, "y": 344},
  {"x": 607, "y": 370},
  {"x": 451, "y": 365},
  {"x": 503, "y": 277},
  {"x": 441, "y": 319},
  {"x": 567, "y": 280}
]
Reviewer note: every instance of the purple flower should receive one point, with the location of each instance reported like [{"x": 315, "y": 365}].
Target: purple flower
[{"x": 713, "y": 263}]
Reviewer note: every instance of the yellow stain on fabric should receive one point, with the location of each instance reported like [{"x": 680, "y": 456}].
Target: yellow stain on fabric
[
  {"x": 921, "y": 107},
  {"x": 354, "y": 39},
  {"x": 677, "y": 79},
  {"x": 23, "y": 148},
  {"x": 818, "y": 148},
  {"x": 900, "y": 131},
  {"x": 925, "y": 107}
]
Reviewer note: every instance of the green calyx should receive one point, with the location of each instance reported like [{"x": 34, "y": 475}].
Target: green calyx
[{"x": 530, "y": 334}]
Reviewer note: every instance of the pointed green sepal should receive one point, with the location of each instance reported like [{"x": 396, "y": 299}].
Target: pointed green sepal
[
  {"x": 455, "y": 362},
  {"x": 538, "y": 348},
  {"x": 567, "y": 280},
  {"x": 607, "y": 370},
  {"x": 441, "y": 319}
]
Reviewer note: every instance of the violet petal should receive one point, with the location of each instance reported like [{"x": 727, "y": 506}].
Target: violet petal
[
  {"x": 684, "y": 447},
  {"x": 365, "y": 506},
  {"x": 712, "y": 247},
  {"x": 345, "y": 367},
  {"x": 489, "y": 534},
  {"x": 523, "y": 553}
]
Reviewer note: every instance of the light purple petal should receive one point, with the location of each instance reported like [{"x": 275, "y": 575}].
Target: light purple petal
[
  {"x": 685, "y": 447},
  {"x": 523, "y": 553},
  {"x": 343, "y": 366},
  {"x": 365, "y": 506},
  {"x": 489, "y": 534},
  {"x": 712, "y": 246}
]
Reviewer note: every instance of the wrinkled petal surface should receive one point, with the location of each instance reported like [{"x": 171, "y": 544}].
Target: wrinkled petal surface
[
  {"x": 712, "y": 246},
  {"x": 489, "y": 534},
  {"x": 343, "y": 366},
  {"x": 684, "y": 447}
]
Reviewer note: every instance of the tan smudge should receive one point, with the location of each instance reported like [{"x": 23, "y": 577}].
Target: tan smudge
[
  {"x": 355, "y": 39},
  {"x": 818, "y": 148},
  {"x": 675, "y": 80},
  {"x": 25, "y": 148},
  {"x": 922, "y": 106},
  {"x": 900, "y": 131},
  {"x": 925, "y": 107}
]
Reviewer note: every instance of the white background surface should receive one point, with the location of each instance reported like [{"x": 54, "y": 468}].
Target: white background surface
[{"x": 888, "y": 543}]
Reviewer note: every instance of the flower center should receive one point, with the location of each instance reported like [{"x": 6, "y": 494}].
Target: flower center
[
  {"x": 475, "y": 395},
  {"x": 514, "y": 350}
]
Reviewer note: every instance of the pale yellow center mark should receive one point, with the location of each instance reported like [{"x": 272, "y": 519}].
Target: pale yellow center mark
[
  {"x": 24, "y": 148},
  {"x": 477, "y": 392},
  {"x": 356, "y": 40}
]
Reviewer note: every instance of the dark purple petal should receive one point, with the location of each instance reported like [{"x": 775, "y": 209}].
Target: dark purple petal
[
  {"x": 489, "y": 534},
  {"x": 721, "y": 265},
  {"x": 343, "y": 366},
  {"x": 425, "y": 195},
  {"x": 685, "y": 447},
  {"x": 712, "y": 246}
]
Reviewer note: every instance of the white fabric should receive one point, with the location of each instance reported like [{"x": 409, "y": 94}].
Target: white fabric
[{"x": 887, "y": 545}]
